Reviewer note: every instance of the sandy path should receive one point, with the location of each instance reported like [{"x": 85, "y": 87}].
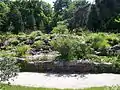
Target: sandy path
[{"x": 66, "y": 81}]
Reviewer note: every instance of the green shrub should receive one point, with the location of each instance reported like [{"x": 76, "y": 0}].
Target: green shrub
[
  {"x": 70, "y": 48},
  {"x": 8, "y": 68},
  {"x": 22, "y": 50},
  {"x": 14, "y": 41},
  {"x": 38, "y": 44},
  {"x": 60, "y": 29},
  {"x": 80, "y": 49},
  {"x": 113, "y": 39},
  {"x": 9, "y": 53},
  {"x": 35, "y": 34},
  {"x": 62, "y": 45},
  {"x": 22, "y": 37},
  {"x": 99, "y": 41},
  {"x": 45, "y": 37}
]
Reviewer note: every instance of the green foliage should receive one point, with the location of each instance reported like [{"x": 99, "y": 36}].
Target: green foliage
[
  {"x": 63, "y": 45},
  {"x": 38, "y": 44},
  {"x": 102, "y": 40},
  {"x": 9, "y": 53},
  {"x": 21, "y": 37},
  {"x": 31, "y": 21},
  {"x": 99, "y": 41},
  {"x": 113, "y": 39},
  {"x": 71, "y": 48},
  {"x": 14, "y": 41},
  {"x": 18, "y": 16},
  {"x": 4, "y": 10},
  {"x": 9, "y": 87},
  {"x": 35, "y": 34},
  {"x": 27, "y": 16},
  {"x": 80, "y": 10},
  {"x": 15, "y": 17},
  {"x": 117, "y": 19},
  {"x": 104, "y": 20},
  {"x": 21, "y": 51},
  {"x": 80, "y": 49},
  {"x": 8, "y": 68},
  {"x": 61, "y": 28}
]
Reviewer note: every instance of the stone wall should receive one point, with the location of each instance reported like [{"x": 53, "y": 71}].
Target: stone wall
[{"x": 78, "y": 66}]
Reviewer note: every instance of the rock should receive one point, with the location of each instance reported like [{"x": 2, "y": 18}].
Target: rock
[
  {"x": 102, "y": 52},
  {"x": 41, "y": 66},
  {"x": 46, "y": 42},
  {"x": 6, "y": 43},
  {"x": 116, "y": 47},
  {"x": 20, "y": 60},
  {"x": 37, "y": 38},
  {"x": 29, "y": 42},
  {"x": 114, "y": 50},
  {"x": 33, "y": 52}
]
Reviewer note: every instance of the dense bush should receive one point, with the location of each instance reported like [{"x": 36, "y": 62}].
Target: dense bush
[
  {"x": 62, "y": 45},
  {"x": 71, "y": 48},
  {"x": 38, "y": 44},
  {"x": 35, "y": 34},
  {"x": 8, "y": 69},
  {"x": 61, "y": 28},
  {"x": 80, "y": 49},
  {"x": 21, "y": 51},
  {"x": 99, "y": 41}
]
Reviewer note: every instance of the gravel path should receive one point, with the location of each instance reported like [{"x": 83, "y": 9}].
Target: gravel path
[{"x": 65, "y": 80}]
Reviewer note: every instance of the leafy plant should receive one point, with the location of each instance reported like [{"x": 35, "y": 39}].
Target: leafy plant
[
  {"x": 71, "y": 48},
  {"x": 35, "y": 34},
  {"x": 22, "y": 50},
  {"x": 38, "y": 44},
  {"x": 99, "y": 41},
  {"x": 14, "y": 41},
  {"x": 80, "y": 49},
  {"x": 61, "y": 28},
  {"x": 8, "y": 69}
]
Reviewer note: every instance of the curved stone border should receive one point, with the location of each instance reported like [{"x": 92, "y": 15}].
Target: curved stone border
[{"x": 78, "y": 66}]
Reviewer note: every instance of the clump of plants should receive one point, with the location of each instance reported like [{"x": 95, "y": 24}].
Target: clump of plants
[
  {"x": 22, "y": 37},
  {"x": 14, "y": 41},
  {"x": 61, "y": 28},
  {"x": 21, "y": 51},
  {"x": 99, "y": 41},
  {"x": 8, "y": 69},
  {"x": 35, "y": 34},
  {"x": 38, "y": 44},
  {"x": 71, "y": 49}
]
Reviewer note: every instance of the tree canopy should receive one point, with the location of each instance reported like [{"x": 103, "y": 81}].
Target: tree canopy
[{"x": 30, "y": 15}]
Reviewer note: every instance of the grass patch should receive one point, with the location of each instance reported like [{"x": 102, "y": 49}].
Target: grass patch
[{"x": 9, "y": 87}]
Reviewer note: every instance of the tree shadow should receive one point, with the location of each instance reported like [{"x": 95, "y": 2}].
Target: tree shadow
[{"x": 76, "y": 75}]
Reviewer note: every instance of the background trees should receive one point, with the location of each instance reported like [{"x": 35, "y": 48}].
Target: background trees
[
  {"x": 25, "y": 16},
  {"x": 29, "y": 15}
]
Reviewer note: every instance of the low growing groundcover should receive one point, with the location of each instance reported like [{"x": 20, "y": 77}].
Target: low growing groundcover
[{"x": 9, "y": 87}]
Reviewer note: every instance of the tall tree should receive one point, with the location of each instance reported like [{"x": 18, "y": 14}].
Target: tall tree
[
  {"x": 4, "y": 10},
  {"x": 60, "y": 7}
]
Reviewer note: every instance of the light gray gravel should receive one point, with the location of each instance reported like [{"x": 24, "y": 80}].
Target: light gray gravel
[{"x": 65, "y": 80}]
